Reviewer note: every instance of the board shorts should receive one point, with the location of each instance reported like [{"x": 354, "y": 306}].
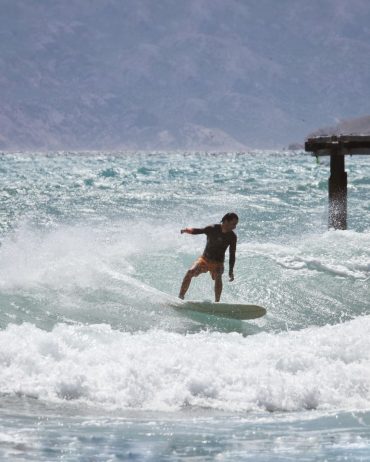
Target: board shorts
[{"x": 202, "y": 265}]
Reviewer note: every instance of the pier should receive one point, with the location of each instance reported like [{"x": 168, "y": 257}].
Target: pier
[{"x": 337, "y": 147}]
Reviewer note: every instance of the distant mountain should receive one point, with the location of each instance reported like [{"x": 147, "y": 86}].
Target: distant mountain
[
  {"x": 179, "y": 74},
  {"x": 357, "y": 126}
]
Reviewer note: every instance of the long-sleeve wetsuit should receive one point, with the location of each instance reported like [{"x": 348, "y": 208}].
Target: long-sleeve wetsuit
[{"x": 217, "y": 244}]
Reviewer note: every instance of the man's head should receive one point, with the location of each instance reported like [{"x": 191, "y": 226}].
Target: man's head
[{"x": 229, "y": 221}]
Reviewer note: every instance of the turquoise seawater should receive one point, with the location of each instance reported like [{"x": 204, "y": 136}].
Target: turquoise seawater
[{"x": 96, "y": 365}]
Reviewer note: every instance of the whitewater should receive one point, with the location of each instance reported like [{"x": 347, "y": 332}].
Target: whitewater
[{"x": 96, "y": 365}]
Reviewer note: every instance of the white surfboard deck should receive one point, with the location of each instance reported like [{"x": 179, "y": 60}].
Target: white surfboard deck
[{"x": 225, "y": 310}]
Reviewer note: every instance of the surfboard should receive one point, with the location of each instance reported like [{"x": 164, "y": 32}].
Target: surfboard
[{"x": 224, "y": 310}]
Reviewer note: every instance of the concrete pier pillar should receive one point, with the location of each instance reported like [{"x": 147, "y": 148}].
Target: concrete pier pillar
[{"x": 337, "y": 192}]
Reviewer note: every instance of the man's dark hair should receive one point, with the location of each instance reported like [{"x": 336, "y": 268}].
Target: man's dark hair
[{"x": 229, "y": 216}]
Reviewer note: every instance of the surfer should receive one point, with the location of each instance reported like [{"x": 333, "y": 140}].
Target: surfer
[{"x": 219, "y": 238}]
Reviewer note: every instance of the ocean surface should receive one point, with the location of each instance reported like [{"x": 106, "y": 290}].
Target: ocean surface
[{"x": 96, "y": 366}]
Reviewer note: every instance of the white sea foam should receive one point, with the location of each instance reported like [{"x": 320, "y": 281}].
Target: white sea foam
[
  {"x": 343, "y": 254},
  {"x": 57, "y": 258},
  {"x": 81, "y": 256},
  {"x": 82, "y": 274},
  {"x": 317, "y": 368}
]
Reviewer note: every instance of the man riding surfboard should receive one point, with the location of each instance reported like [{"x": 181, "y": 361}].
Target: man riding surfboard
[{"x": 219, "y": 238}]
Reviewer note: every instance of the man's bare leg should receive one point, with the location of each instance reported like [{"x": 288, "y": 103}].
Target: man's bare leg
[
  {"x": 218, "y": 288},
  {"x": 186, "y": 283}
]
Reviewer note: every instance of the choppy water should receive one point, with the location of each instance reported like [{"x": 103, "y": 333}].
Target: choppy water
[{"x": 96, "y": 366}]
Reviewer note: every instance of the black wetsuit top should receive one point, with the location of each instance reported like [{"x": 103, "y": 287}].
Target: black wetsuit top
[{"x": 217, "y": 244}]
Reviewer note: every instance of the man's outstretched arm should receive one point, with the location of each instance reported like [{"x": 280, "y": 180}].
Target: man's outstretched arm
[{"x": 193, "y": 231}]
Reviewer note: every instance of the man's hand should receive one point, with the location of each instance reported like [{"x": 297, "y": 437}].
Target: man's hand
[
  {"x": 186, "y": 230},
  {"x": 231, "y": 277}
]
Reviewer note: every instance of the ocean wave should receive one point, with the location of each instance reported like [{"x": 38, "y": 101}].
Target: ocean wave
[
  {"x": 343, "y": 253},
  {"x": 317, "y": 368}
]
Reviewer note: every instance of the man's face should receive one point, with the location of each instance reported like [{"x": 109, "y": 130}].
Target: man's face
[{"x": 230, "y": 225}]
